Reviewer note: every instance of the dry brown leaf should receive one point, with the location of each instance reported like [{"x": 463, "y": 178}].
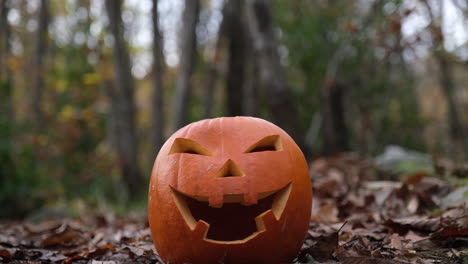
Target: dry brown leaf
[
  {"x": 395, "y": 242},
  {"x": 421, "y": 223},
  {"x": 44, "y": 226},
  {"x": 65, "y": 237},
  {"x": 369, "y": 260},
  {"x": 326, "y": 187},
  {"x": 325, "y": 247},
  {"x": 103, "y": 262},
  {"x": 413, "y": 204},
  {"x": 328, "y": 213},
  {"x": 413, "y": 237},
  {"x": 450, "y": 231},
  {"x": 374, "y": 233},
  {"x": 98, "y": 252},
  {"x": 415, "y": 177},
  {"x": 5, "y": 255},
  {"x": 134, "y": 250}
]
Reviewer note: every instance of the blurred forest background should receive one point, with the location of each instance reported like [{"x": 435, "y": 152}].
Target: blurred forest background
[{"x": 90, "y": 89}]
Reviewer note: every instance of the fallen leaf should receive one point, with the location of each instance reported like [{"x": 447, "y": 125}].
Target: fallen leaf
[
  {"x": 375, "y": 233},
  {"x": 380, "y": 185},
  {"x": 43, "y": 226},
  {"x": 455, "y": 198},
  {"x": 450, "y": 231},
  {"x": 96, "y": 239},
  {"x": 413, "y": 204},
  {"x": 137, "y": 251},
  {"x": 415, "y": 177},
  {"x": 395, "y": 242},
  {"x": 325, "y": 246},
  {"x": 413, "y": 237},
  {"x": 403, "y": 225},
  {"x": 5, "y": 255},
  {"x": 98, "y": 252},
  {"x": 369, "y": 260},
  {"x": 65, "y": 237},
  {"x": 328, "y": 213},
  {"x": 103, "y": 262},
  {"x": 50, "y": 255}
]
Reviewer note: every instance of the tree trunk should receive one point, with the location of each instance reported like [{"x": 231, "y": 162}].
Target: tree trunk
[
  {"x": 6, "y": 88},
  {"x": 213, "y": 71},
  {"x": 187, "y": 43},
  {"x": 333, "y": 121},
  {"x": 6, "y": 97},
  {"x": 123, "y": 101},
  {"x": 236, "y": 31},
  {"x": 158, "y": 72},
  {"x": 447, "y": 84},
  {"x": 208, "y": 99},
  {"x": 456, "y": 129},
  {"x": 38, "y": 71},
  {"x": 334, "y": 130},
  {"x": 4, "y": 32},
  {"x": 272, "y": 75},
  {"x": 251, "y": 83}
]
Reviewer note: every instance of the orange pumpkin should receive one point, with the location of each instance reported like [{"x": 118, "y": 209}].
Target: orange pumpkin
[{"x": 229, "y": 190}]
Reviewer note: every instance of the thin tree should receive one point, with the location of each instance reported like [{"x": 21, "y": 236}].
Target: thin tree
[
  {"x": 212, "y": 76},
  {"x": 236, "y": 33},
  {"x": 158, "y": 90},
  {"x": 446, "y": 81},
  {"x": 122, "y": 97},
  {"x": 271, "y": 72},
  {"x": 6, "y": 80},
  {"x": 40, "y": 50},
  {"x": 187, "y": 44},
  {"x": 213, "y": 71},
  {"x": 332, "y": 114},
  {"x": 333, "y": 89},
  {"x": 6, "y": 96},
  {"x": 251, "y": 82}
]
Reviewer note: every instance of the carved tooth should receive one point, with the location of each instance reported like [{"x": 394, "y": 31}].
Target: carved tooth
[
  {"x": 201, "y": 229},
  {"x": 250, "y": 199},
  {"x": 216, "y": 201}
]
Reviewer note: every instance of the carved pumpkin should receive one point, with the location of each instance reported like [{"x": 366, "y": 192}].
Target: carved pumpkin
[{"x": 229, "y": 190}]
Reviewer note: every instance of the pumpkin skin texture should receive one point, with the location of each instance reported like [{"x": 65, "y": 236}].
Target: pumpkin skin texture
[{"x": 229, "y": 190}]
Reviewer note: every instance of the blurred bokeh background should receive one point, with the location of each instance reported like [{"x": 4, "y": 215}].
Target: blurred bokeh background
[{"x": 90, "y": 89}]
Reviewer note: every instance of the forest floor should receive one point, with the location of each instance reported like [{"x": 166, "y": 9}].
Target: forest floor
[{"x": 408, "y": 218}]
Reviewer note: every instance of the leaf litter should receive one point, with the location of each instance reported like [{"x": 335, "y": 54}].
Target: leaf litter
[{"x": 356, "y": 218}]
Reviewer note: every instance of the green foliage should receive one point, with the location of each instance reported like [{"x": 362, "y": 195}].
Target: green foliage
[
  {"x": 64, "y": 160},
  {"x": 23, "y": 182},
  {"x": 318, "y": 33}
]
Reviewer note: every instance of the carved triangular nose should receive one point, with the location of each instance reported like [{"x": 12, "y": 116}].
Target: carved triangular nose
[{"x": 230, "y": 169}]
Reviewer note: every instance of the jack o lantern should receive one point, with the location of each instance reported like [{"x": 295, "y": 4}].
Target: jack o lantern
[{"x": 229, "y": 190}]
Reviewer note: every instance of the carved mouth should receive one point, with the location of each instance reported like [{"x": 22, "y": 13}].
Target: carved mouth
[{"x": 235, "y": 221}]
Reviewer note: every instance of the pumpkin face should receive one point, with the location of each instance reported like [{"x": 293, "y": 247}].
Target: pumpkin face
[{"x": 229, "y": 190}]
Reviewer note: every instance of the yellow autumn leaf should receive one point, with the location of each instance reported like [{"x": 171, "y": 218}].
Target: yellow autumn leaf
[
  {"x": 43, "y": 140},
  {"x": 394, "y": 109},
  {"x": 66, "y": 113},
  {"x": 60, "y": 85},
  {"x": 91, "y": 78},
  {"x": 14, "y": 63},
  {"x": 87, "y": 114}
]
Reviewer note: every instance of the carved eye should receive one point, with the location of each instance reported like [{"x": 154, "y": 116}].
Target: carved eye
[
  {"x": 269, "y": 143},
  {"x": 183, "y": 145}
]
